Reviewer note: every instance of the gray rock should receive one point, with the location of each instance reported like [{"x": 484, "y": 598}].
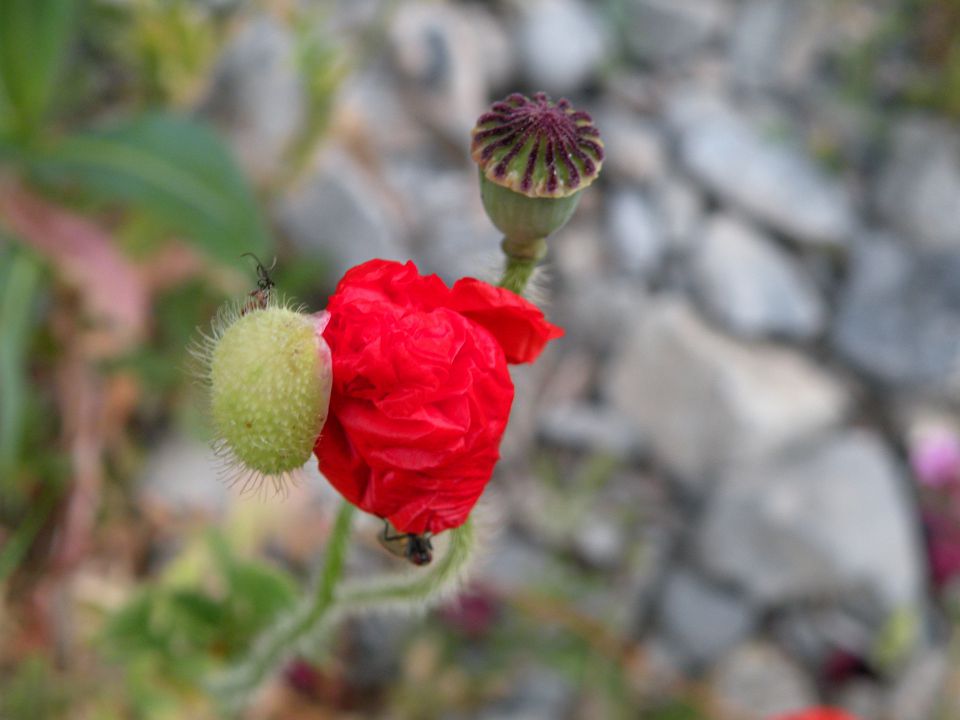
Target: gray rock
[
  {"x": 919, "y": 187},
  {"x": 775, "y": 42},
  {"x": 337, "y": 212},
  {"x": 537, "y": 695},
  {"x": 812, "y": 632},
  {"x": 579, "y": 252},
  {"x": 593, "y": 428},
  {"x": 635, "y": 234},
  {"x": 757, "y": 682},
  {"x": 704, "y": 401},
  {"x": 681, "y": 207},
  {"x": 634, "y": 148},
  {"x": 899, "y": 316},
  {"x": 701, "y": 621},
  {"x": 519, "y": 564},
  {"x": 594, "y": 312},
  {"x": 438, "y": 54},
  {"x": 256, "y": 95},
  {"x": 773, "y": 181},
  {"x": 668, "y": 30},
  {"x": 372, "y": 649},
  {"x": 863, "y": 699},
  {"x": 452, "y": 235},
  {"x": 917, "y": 691},
  {"x": 752, "y": 286},
  {"x": 372, "y": 103},
  {"x": 562, "y": 44},
  {"x": 832, "y": 519},
  {"x": 599, "y": 542}
]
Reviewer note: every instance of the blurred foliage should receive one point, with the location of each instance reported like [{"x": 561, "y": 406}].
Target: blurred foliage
[
  {"x": 170, "y": 46},
  {"x": 34, "y": 692},
  {"x": 32, "y": 473},
  {"x": 913, "y": 57},
  {"x": 98, "y": 119},
  {"x": 323, "y": 66},
  {"x": 34, "y": 40},
  {"x": 172, "y": 168},
  {"x": 166, "y": 639}
]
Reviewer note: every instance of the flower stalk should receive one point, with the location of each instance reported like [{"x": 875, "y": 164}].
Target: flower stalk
[
  {"x": 521, "y": 261},
  {"x": 234, "y": 687},
  {"x": 300, "y": 629},
  {"x": 535, "y": 157}
]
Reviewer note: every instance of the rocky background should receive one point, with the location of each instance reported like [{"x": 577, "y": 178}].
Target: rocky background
[
  {"x": 762, "y": 305},
  {"x": 708, "y": 504}
]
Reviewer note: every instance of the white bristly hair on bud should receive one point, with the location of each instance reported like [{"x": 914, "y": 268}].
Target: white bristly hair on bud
[{"x": 267, "y": 374}]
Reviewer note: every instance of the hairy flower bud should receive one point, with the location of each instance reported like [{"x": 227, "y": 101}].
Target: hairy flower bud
[
  {"x": 269, "y": 372},
  {"x": 534, "y": 157}
]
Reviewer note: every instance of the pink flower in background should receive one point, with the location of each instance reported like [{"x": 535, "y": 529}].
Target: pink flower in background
[
  {"x": 943, "y": 547},
  {"x": 936, "y": 460}
]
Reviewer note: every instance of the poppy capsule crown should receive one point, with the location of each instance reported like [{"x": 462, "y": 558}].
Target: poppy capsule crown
[
  {"x": 535, "y": 156},
  {"x": 537, "y": 148}
]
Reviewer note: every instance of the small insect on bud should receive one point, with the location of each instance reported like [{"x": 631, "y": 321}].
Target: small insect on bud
[
  {"x": 534, "y": 157},
  {"x": 269, "y": 372}
]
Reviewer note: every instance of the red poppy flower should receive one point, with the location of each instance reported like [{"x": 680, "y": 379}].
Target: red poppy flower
[
  {"x": 817, "y": 713},
  {"x": 421, "y": 392}
]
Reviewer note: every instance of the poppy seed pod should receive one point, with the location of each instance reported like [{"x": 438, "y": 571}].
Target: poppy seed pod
[
  {"x": 270, "y": 374},
  {"x": 535, "y": 156}
]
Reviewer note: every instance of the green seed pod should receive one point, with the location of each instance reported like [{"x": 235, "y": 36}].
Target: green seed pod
[
  {"x": 269, "y": 372},
  {"x": 534, "y": 157}
]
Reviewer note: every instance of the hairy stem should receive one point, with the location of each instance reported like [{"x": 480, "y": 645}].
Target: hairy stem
[
  {"x": 307, "y": 624},
  {"x": 236, "y": 685},
  {"x": 521, "y": 261},
  {"x": 417, "y": 590}
]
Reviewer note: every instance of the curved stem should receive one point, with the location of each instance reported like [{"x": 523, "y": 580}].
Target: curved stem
[
  {"x": 421, "y": 588},
  {"x": 235, "y": 685},
  {"x": 328, "y": 603},
  {"x": 400, "y": 592}
]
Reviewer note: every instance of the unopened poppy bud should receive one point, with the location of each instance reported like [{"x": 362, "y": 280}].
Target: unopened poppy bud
[
  {"x": 270, "y": 377},
  {"x": 535, "y": 156}
]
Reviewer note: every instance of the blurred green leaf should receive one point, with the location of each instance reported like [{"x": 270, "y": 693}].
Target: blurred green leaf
[
  {"x": 169, "y": 637},
  {"x": 897, "y": 638},
  {"x": 33, "y": 692},
  {"x": 34, "y": 36},
  {"x": 19, "y": 281},
  {"x": 175, "y": 168}
]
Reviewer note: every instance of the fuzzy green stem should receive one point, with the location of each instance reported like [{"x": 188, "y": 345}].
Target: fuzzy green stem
[
  {"x": 400, "y": 592},
  {"x": 304, "y": 626},
  {"x": 422, "y": 589},
  {"x": 237, "y": 683},
  {"x": 521, "y": 261}
]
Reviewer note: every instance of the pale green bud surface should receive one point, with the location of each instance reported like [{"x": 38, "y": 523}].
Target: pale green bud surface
[
  {"x": 524, "y": 219},
  {"x": 270, "y": 376}
]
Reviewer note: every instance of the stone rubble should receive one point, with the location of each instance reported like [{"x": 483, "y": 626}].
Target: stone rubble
[{"x": 746, "y": 312}]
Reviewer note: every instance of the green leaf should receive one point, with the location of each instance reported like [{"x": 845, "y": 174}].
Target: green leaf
[
  {"x": 19, "y": 283},
  {"x": 34, "y": 37},
  {"x": 174, "y": 168}
]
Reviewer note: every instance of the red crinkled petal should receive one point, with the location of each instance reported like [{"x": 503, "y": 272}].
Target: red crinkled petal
[
  {"x": 518, "y": 325},
  {"x": 400, "y": 284},
  {"x": 421, "y": 390}
]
